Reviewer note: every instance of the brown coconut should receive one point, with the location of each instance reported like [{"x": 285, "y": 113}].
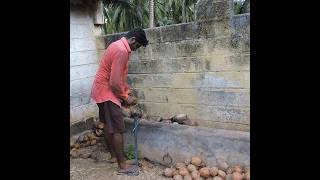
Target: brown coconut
[
  {"x": 247, "y": 175},
  {"x": 222, "y": 173},
  {"x": 93, "y": 142},
  {"x": 99, "y": 125},
  {"x": 237, "y": 176},
  {"x": 192, "y": 168},
  {"x": 177, "y": 177},
  {"x": 237, "y": 169},
  {"x": 74, "y": 153},
  {"x": 204, "y": 172},
  {"x": 77, "y": 145},
  {"x": 175, "y": 172},
  {"x": 196, "y": 160},
  {"x": 187, "y": 177},
  {"x": 183, "y": 171},
  {"x": 168, "y": 172},
  {"x": 214, "y": 171},
  {"x": 217, "y": 178},
  {"x": 195, "y": 174},
  {"x": 180, "y": 165},
  {"x": 246, "y": 169}
]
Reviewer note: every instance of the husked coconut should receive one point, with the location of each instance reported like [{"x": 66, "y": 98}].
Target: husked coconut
[
  {"x": 177, "y": 177},
  {"x": 204, "y": 172},
  {"x": 237, "y": 169},
  {"x": 214, "y": 171},
  {"x": 222, "y": 173},
  {"x": 196, "y": 160},
  {"x": 187, "y": 177},
  {"x": 168, "y": 172},
  {"x": 191, "y": 167},
  {"x": 195, "y": 174},
  {"x": 217, "y": 178},
  {"x": 180, "y": 165},
  {"x": 183, "y": 171}
]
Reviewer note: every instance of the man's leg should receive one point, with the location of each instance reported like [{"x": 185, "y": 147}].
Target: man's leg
[
  {"x": 109, "y": 138},
  {"x": 118, "y": 128},
  {"x": 118, "y": 146},
  {"x": 107, "y": 135}
]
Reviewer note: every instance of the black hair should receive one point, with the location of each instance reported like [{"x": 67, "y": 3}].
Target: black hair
[{"x": 140, "y": 36}]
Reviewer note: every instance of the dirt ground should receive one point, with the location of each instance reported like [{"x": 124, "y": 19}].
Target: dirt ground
[{"x": 96, "y": 168}]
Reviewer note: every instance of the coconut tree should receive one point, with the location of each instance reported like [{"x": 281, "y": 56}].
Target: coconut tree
[{"x": 123, "y": 15}]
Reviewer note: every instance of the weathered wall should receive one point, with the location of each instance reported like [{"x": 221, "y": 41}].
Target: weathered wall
[
  {"x": 85, "y": 52},
  {"x": 200, "y": 68},
  {"x": 156, "y": 140}
]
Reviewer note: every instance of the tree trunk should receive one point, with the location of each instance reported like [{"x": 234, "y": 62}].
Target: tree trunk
[
  {"x": 151, "y": 13},
  {"x": 183, "y": 11}
]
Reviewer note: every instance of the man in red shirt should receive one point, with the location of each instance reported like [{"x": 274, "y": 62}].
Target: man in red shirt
[{"x": 110, "y": 91}]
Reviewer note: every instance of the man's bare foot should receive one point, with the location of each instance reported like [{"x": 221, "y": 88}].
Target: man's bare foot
[
  {"x": 125, "y": 168},
  {"x": 131, "y": 162},
  {"x": 114, "y": 160}
]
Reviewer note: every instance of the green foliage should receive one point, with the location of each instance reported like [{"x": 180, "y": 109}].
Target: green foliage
[
  {"x": 240, "y": 6},
  {"x": 123, "y": 15},
  {"x": 129, "y": 152}
]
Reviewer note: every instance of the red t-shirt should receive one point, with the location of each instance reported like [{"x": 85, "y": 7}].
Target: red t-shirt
[{"x": 110, "y": 82}]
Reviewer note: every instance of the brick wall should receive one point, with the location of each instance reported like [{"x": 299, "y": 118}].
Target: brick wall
[
  {"x": 200, "y": 68},
  {"x": 85, "y": 52}
]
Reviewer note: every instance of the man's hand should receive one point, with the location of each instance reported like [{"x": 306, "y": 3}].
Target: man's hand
[{"x": 130, "y": 101}]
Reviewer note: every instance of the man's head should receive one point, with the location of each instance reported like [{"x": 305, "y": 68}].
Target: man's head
[{"x": 136, "y": 38}]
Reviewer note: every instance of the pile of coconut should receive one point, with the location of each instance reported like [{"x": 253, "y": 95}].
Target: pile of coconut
[
  {"x": 196, "y": 169},
  {"x": 87, "y": 139}
]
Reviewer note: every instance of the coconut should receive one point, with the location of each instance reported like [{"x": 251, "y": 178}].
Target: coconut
[
  {"x": 77, "y": 145},
  {"x": 180, "y": 165},
  {"x": 247, "y": 175},
  {"x": 195, "y": 174},
  {"x": 175, "y": 172},
  {"x": 222, "y": 164},
  {"x": 222, "y": 173},
  {"x": 191, "y": 167},
  {"x": 99, "y": 125},
  {"x": 183, "y": 171},
  {"x": 217, "y": 178},
  {"x": 237, "y": 169},
  {"x": 187, "y": 177},
  {"x": 93, "y": 142},
  {"x": 177, "y": 177},
  {"x": 214, "y": 171},
  {"x": 237, "y": 176},
  {"x": 196, "y": 160},
  {"x": 205, "y": 172},
  {"x": 168, "y": 172}
]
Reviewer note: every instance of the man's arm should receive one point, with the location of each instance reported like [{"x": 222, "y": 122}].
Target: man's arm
[{"x": 116, "y": 81}]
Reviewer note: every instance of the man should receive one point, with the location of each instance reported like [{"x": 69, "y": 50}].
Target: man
[{"x": 110, "y": 91}]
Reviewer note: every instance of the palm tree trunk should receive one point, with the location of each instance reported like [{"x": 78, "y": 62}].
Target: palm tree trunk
[
  {"x": 183, "y": 11},
  {"x": 151, "y": 13}
]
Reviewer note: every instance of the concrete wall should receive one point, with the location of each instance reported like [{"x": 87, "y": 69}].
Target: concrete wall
[
  {"x": 85, "y": 52},
  {"x": 200, "y": 68},
  {"x": 157, "y": 140}
]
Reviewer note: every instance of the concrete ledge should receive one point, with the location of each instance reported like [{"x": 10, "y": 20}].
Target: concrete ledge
[
  {"x": 180, "y": 142},
  {"x": 81, "y": 126}
]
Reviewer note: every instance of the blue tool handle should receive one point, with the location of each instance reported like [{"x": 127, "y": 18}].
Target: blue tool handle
[{"x": 135, "y": 131}]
